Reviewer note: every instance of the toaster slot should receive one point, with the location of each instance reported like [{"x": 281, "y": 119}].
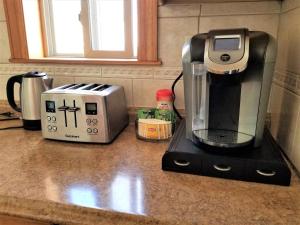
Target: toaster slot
[
  {"x": 76, "y": 86},
  {"x": 66, "y": 86},
  {"x": 101, "y": 87},
  {"x": 89, "y": 86}
]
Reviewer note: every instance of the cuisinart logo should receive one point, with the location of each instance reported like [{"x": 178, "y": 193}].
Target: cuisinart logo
[{"x": 71, "y": 136}]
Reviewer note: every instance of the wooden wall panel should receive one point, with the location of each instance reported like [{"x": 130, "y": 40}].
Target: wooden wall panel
[
  {"x": 16, "y": 28},
  {"x": 147, "y": 26}
]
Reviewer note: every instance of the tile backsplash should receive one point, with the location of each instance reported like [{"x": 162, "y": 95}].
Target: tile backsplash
[
  {"x": 176, "y": 24},
  {"x": 285, "y": 94}
]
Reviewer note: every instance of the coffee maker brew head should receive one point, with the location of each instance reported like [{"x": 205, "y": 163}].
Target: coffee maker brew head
[{"x": 227, "y": 80}]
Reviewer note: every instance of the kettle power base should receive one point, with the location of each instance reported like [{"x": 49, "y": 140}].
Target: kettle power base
[{"x": 263, "y": 165}]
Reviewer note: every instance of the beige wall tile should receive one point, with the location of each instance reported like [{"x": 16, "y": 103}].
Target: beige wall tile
[
  {"x": 295, "y": 154},
  {"x": 78, "y": 70},
  {"x": 2, "y": 14},
  {"x": 240, "y": 8},
  {"x": 4, "y": 43},
  {"x": 167, "y": 72},
  {"x": 284, "y": 108},
  {"x": 267, "y": 23},
  {"x": 62, "y": 80},
  {"x": 181, "y": 10},
  {"x": 275, "y": 105},
  {"x": 289, "y": 42},
  {"x": 5, "y": 69},
  {"x": 144, "y": 92},
  {"x": 24, "y": 68},
  {"x": 126, "y": 83},
  {"x": 3, "y": 82},
  {"x": 290, "y": 4},
  {"x": 173, "y": 32},
  {"x": 138, "y": 72},
  {"x": 288, "y": 81}
]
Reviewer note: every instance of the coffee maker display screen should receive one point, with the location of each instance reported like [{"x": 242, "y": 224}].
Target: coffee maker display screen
[
  {"x": 221, "y": 44},
  {"x": 50, "y": 106}
]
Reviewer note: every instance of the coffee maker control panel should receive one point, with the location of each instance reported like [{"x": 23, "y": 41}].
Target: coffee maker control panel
[{"x": 227, "y": 52}]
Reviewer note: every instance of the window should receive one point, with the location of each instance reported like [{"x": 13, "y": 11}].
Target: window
[{"x": 87, "y": 31}]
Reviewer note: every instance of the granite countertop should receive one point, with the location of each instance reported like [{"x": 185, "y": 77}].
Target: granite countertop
[{"x": 122, "y": 183}]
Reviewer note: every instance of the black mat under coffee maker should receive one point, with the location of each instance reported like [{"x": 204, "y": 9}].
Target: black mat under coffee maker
[{"x": 264, "y": 164}]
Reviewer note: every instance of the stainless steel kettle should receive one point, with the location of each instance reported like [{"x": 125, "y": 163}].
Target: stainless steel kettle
[{"x": 32, "y": 85}]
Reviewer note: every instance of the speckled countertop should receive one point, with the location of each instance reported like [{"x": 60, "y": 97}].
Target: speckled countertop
[{"x": 122, "y": 183}]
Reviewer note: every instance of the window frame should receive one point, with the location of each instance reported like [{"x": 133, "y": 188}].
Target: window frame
[
  {"x": 48, "y": 36},
  {"x": 147, "y": 52},
  {"x": 89, "y": 52}
]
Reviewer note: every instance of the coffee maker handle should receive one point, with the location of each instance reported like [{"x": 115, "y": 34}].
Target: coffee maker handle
[{"x": 10, "y": 91}]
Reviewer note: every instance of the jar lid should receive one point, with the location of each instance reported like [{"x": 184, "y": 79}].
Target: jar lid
[{"x": 164, "y": 93}]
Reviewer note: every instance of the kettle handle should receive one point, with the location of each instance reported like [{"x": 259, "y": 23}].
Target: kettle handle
[{"x": 10, "y": 91}]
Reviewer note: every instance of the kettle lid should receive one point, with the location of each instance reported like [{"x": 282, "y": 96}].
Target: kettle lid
[{"x": 34, "y": 74}]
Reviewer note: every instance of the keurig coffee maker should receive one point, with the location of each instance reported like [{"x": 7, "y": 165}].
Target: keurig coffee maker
[{"x": 227, "y": 79}]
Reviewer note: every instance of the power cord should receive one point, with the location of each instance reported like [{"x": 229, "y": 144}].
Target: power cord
[
  {"x": 173, "y": 91},
  {"x": 9, "y": 116},
  {"x": 8, "y": 128}
]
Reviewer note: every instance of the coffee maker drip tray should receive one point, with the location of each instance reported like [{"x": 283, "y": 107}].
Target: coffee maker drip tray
[{"x": 223, "y": 138}]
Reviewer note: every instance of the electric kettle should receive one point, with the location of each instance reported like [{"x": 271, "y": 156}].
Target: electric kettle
[{"x": 32, "y": 84}]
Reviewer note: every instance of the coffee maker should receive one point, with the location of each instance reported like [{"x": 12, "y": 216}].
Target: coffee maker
[{"x": 227, "y": 80}]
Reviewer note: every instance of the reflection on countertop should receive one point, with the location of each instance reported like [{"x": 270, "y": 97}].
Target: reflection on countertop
[{"x": 122, "y": 183}]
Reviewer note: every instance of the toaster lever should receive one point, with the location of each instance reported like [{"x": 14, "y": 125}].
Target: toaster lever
[
  {"x": 63, "y": 108},
  {"x": 73, "y": 109}
]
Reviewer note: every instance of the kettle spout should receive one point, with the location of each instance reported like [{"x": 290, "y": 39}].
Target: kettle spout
[{"x": 48, "y": 83}]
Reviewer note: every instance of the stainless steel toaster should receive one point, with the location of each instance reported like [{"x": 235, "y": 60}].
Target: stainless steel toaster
[{"x": 94, "y": 113}]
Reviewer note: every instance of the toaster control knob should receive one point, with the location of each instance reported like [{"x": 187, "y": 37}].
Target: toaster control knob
[
  {"x": 73, "y": 109},
  {"x": 88, "y": 121},
  {"x": 89, "y": 130},
  {"x": 48, "y": 118},
  {"x": 95, "y": 121},
  {"x": 54, "y": 128},
  {"x": 53, "y": 118},
  {"x": 63, "y": 108},
  {"x": 95, "y": 130},
  {"x": 49, "y": 127}
]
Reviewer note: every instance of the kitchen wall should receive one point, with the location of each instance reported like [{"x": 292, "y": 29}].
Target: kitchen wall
[
  {"x": 285, "y": 95},
  {"x": 177, "y": 23}
]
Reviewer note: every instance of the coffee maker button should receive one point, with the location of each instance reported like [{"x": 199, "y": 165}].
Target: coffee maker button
[
  {"x": 54, "y": 128},
  {"x": 225, "y": 57},
  {"x": 49, "y": 127},
  {"x": 48, "y": 118},
  {"x": 53, "y": 118}
]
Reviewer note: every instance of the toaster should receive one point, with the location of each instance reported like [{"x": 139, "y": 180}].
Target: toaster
[{"x": 94, "y": 113}]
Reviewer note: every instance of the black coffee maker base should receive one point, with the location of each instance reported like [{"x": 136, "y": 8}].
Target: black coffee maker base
[
  {"x": 263, "y": 165},
  {"x": 32, "y": 124}
]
